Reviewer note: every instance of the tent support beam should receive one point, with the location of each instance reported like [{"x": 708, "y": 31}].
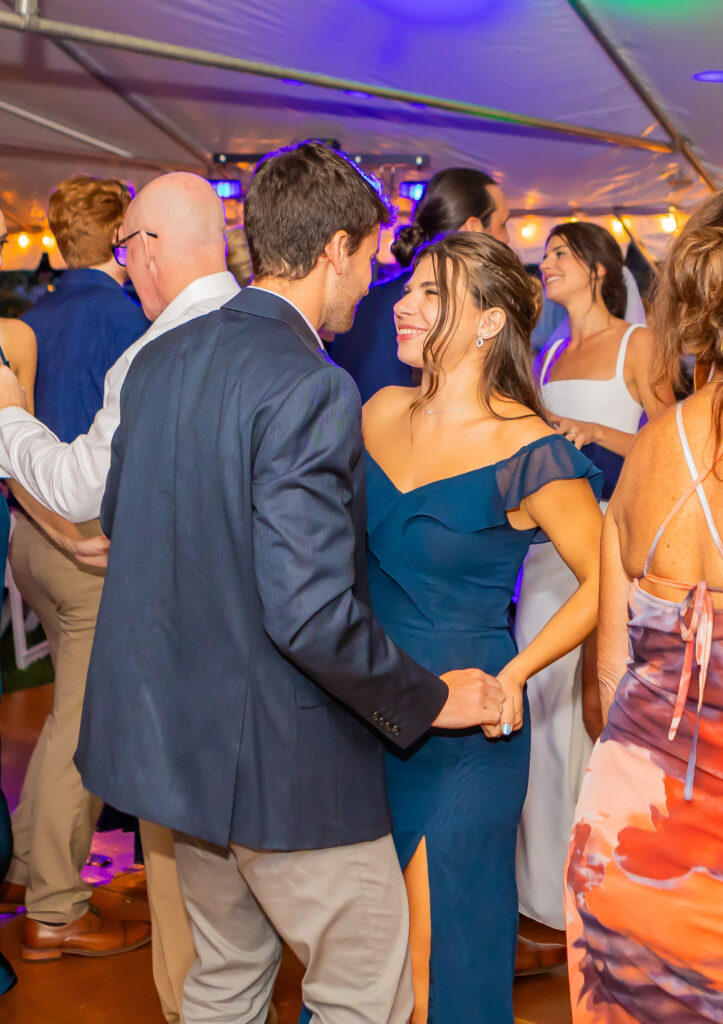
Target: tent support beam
[
  {"x": 63, "y": 129},
  {"x": 681, "y": 144},
  {"x": 138, "y": 103},
  {"x": 24, "y": 151},
  {"x": 141, "y": 106},
  {"x": 24, "y": 20}
]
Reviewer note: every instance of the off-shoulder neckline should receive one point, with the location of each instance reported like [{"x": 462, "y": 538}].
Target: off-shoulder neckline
[{"x": 467, "y": 472}]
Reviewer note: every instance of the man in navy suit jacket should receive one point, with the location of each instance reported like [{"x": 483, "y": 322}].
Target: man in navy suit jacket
[{"x": 240, "y": 686}]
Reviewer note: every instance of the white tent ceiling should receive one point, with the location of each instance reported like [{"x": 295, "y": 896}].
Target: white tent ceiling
[{"x": 67, "y": 105}]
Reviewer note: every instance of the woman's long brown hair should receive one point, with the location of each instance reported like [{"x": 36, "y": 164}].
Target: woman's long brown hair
[
  {"x": 494, "y": 277},
  {"x": 687, "y": 313}
]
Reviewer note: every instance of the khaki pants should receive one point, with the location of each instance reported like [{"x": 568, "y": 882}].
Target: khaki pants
[
  {"x": 343, "y": 911},
  {"x": 53, "y": 825},
  {"x": 172, "y": 945}
]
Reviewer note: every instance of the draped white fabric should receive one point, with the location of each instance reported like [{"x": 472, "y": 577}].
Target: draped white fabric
[{"x": 533, "y": 57}]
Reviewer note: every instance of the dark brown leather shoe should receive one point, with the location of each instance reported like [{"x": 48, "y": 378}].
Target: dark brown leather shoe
[
  {"x": 12, "y": 896},
  {"x": 538, "y": 957},
  {"x": 90, "y": 935}
]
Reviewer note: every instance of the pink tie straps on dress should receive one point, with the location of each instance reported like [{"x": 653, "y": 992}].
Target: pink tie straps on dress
[{"x": 698, "y": 634}]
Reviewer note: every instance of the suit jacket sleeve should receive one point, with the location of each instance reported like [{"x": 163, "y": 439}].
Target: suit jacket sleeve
[{"x": 304, "y": 552}]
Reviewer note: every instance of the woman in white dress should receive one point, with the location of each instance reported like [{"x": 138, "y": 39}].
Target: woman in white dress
[{"x": 596, "y": 384}]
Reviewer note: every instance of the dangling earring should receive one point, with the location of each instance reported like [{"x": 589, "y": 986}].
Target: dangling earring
[{"x": 481, "y": 341}]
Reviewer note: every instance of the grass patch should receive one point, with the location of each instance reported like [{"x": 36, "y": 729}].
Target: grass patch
[{"x": 14, "y": 678}]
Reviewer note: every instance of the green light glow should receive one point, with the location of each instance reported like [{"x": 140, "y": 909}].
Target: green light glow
[{"x": 659, "y": 10}]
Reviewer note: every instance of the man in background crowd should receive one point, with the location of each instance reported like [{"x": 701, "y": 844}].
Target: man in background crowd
[
  {"x": 81, "y": 329},
  {"x": 176, "y": 234}
]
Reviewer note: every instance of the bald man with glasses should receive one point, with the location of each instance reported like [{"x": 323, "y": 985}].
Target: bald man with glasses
[{"x": 172, "y": 241}]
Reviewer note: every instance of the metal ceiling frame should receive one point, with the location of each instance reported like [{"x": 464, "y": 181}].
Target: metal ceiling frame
[
  {"x": 139, "y": 104},
  {"x": 23, "y": 150},
  {"x": 25, "y": 18},
  {"x": 63, "y": 129},
  {"x": 682, "y": 144}
]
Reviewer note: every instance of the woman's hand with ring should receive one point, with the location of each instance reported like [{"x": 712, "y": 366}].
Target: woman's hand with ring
[{"x": 578, "y": 431}]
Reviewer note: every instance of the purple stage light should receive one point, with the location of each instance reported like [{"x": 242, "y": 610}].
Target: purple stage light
[
  {"x": 413, "y": 190},
  {"x": 709, "y": 76},
  {"x": 227, "y": 188}
]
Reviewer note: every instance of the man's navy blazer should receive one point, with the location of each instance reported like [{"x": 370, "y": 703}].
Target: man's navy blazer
[{"x": 240, "y": 686}]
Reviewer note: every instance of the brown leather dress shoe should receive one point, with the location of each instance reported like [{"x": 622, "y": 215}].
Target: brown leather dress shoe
[
  {"x": 538, "y": 957},
  {"x": 90, "y": 935}
]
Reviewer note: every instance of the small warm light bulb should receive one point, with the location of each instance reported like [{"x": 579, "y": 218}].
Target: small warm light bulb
[
  {"x": 618, "y": 226},
  {"x": 48, "y": 241},
  {"x": 668, "y": 223},
  {"x": 23, "y": 241},
  {"x": 528, "y": 230},
  {"x": 574, "y": 219}
]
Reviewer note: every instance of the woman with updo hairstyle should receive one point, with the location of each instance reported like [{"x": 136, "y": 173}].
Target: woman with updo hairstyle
[
  {"x": 458, "y": 199},
  {"x": 596, "y": 384},
  {"x": 644, "y": 876},
  {"x": 463, "y": 474}
]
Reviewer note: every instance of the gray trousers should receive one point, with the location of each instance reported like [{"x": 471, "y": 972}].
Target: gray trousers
[{"x": 343, "y": 911}]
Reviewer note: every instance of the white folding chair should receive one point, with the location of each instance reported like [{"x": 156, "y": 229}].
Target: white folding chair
[{"x": 22, "y": 624}]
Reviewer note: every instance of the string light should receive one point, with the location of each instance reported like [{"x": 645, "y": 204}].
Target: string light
[
  {"x": 529, "y": 230},
  {"x": 574, "y": 219},
  {"x": 618, "y": 226},
  {"x": 49, "y": 241},
  {"x": 23, "y": 241},
  {"x": 669, "y": 222}
]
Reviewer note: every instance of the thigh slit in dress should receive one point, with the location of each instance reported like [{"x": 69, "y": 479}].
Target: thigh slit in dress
[{"x": 443, "y": 562}]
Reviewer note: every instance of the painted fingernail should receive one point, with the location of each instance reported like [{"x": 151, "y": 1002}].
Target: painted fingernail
[{"x": 506, "y": 729}]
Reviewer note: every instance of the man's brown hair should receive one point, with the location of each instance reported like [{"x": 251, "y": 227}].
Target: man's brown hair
[
  {"x": 297, "y": 201},
  {"x": 84, "y": 215}
]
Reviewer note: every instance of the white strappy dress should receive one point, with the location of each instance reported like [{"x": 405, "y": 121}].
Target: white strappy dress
[{"x": 560, "y": 745}]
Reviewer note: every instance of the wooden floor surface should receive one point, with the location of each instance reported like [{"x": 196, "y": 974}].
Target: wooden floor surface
[{"x": 119, "y": 990}]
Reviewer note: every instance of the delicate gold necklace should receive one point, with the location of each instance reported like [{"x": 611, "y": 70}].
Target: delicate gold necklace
[{"x": 439, "y": 412}]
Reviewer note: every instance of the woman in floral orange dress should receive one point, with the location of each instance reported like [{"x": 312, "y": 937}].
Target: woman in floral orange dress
[{"x": 644, "y": 876}]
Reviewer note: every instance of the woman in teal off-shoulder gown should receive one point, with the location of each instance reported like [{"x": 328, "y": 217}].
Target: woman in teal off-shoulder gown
[{"x": 463, "y": 474}]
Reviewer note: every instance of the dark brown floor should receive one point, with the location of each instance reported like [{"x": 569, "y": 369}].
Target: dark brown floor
[{"x": 119, "y": 990}]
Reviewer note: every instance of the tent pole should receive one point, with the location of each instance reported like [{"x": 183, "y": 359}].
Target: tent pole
[
  {"x": 170, "y": 51},
  {"x": 24, "y": 151},
  {"x": 62, "y": 129},
  {"x": 138, "y": 103},
  {"x": 28, "y": 9},
  {"x": 682, "y": 145}
]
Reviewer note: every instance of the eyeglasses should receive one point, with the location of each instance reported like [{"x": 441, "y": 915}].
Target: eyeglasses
[{"x": 120, "y": 249}]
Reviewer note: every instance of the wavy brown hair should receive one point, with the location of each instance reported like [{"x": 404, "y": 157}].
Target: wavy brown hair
[
  {"x": 687, "y": 313},
  {"x": 492, "y": 276}
]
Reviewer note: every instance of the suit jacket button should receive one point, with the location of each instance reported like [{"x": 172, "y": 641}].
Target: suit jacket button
[
  {"x": 396, "y": 730},
  {"x": 375, "y": 716}
]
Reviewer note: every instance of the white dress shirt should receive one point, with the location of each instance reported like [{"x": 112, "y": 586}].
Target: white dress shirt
[{"x": 70, "y": 478}]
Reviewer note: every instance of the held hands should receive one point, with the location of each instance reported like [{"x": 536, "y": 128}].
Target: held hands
[
  {"x": 475, "y": 698},
  {"x": 511, "y": 717},
  {"x": 11, "y": 393},
  {"x": 577, "y": 431}
]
